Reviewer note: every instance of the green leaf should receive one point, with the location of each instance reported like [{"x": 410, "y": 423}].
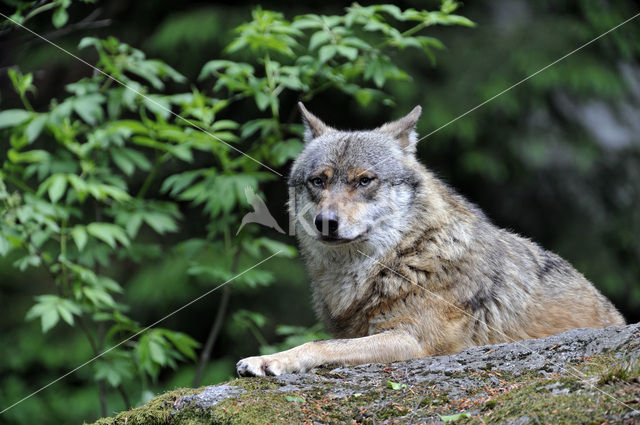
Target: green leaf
[
  {"x": 451, "y": 418},
  {"x": 262, "y": 100},
  {"x": 60, "y": 17},
  {"x": 396, "y": 386},
  {"x": 327, "y": 52},
  {"x": 89, "y": 41},
  {"x": 160, "y": 222},
  {"x": 139, "y": 159},
  {"x": 286, "y": 150},
  {"x": 224, "y": 125},
  {"x": 21, "y": 83},
  {"x": 144, "y": 356},
  {"x": 108, "y": 233},
  {"x": 5, "y": 245},
  {"x": 79, "y": 235},
  {"x": 157, "y": 353},
  {"x": 104, "y": 371},
  {"x": 183, "y": 342},
  {"x": 391, "y": 9},
  {"x": 98, "y": 296},
  {"x": 295, "y": 399},
  {"x": 356, "y": 42},
  {"x": 245, "y": 319},
  {"x": 134, "y": 126},
  {"x": 255, "y": 277},
  {"x": 33, "y": 156},
  {"x": 66, "y": 309},
  {"x": 182, "y": 152},
  {"x": 458, "y": 20},
  {"x": 318, "y": 39},
  {"x": 123, "y": 162},
  {"x": 13, "y": 117},
  {"x": 158, "y": 105},
  {"x": 448, "y": 6},
  {"x": 99, "y": 191},
  {"x": 89, "y": 107},
  {"x": 132, "y": 223},
  {"x": 275, "y": 247},
  {"x": 79, "y": 185},
  {"x": 109, "y": 284},
  {"x": 350, "y": 53},
  {"x": 306, "y": 21},
  {"x": 49, "y": 307},
  {"x": 29, "y": 260},
  {"x": 34, "y": 128},
  {"x": 57, "y": 187},
  {"x": 49, "y": 319},
  {"x": 114, "y": 371},
  {"x": 251, "y": 126},
  {"x": 364, "y": 97},
  {"x": 236, "y": 45},
  {"x": 212, "y": 66},
  {"x": 177, "y": 183}
]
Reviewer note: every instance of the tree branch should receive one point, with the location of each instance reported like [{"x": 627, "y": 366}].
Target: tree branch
[
  {"x": 213, "y": 335},
  {"x": 102, "y": 396},
  {"x": 216, "y": 326},
  {"x": 125, "y": 397}
]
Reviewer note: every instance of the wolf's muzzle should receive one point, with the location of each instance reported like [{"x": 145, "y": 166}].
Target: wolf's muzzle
[{"x": 327, "y": 224}]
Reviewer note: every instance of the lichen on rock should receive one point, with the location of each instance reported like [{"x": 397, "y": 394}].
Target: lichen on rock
[{"x": 580, "y": 376}]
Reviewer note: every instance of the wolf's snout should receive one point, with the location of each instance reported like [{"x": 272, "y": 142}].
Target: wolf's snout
[{"x": 327, "y": 223}]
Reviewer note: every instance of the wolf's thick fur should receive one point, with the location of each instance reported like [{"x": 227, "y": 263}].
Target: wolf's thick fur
[{"x": 411, "y": 268}]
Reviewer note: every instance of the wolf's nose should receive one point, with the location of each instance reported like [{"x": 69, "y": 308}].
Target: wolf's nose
[{"x": 327, "y": 223}]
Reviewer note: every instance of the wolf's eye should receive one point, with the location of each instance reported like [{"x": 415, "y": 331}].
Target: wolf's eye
[
  {"x": 317, "y": 182},
  {"x": 364, "y": 181}
]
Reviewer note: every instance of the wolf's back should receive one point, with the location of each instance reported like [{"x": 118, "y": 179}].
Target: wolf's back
[{"x": 497, "y": 286}]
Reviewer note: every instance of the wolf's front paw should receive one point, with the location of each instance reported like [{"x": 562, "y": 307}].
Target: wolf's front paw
[{"x": 265, "y": 366}]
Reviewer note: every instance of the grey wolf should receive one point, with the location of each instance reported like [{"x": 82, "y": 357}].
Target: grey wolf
[{"x": 404, "y": 267}]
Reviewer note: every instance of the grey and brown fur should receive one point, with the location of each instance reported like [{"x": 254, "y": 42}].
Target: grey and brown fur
[{"x": 414, "y": 269}]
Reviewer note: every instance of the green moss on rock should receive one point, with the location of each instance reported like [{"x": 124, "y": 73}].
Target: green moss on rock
[{"x": 155, "y": 412}]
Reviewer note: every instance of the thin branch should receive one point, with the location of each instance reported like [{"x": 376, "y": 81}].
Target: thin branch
[
  {"x": 102, "y": 387},
  {"x": 39, "y": 8},
  {"x": 213, "y": 335},
  {"x": 125, "y": 397},
  {"x": 216, "y": 326},
  {"x": 152, "y": 174},
  {"x": 88, "y": 22},
  {"x": 26, "y": 103},
  {"x": 102, "y": 396},
  {"x": 86, "y": 331}
]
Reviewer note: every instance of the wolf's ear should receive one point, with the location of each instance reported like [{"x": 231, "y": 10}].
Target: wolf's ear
[
  {"x": 404, "y": 130},
  {"x": 313, "y": 126}
]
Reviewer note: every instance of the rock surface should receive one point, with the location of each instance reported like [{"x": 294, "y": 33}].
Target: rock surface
[{"x": 580, "y": 376}]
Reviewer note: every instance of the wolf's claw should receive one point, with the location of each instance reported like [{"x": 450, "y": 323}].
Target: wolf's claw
[{"x": 261, "y": 366}]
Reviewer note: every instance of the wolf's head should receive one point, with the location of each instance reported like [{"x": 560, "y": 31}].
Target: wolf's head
[{"x": 354, "y": 187}]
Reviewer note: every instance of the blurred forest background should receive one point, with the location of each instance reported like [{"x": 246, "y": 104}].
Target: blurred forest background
[{"x": 116, "y": 213}]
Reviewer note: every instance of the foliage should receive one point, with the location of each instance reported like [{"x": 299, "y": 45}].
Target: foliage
[{"x": 85, "y": 193}]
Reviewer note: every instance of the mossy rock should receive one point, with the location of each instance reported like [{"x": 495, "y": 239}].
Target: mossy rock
[{"x": 581, "y": 376}]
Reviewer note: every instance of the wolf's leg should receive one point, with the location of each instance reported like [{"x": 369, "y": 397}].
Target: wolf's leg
[{"x": 380, "y": 348}]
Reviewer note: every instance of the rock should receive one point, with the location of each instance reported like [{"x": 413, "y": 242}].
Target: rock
[
  {"x": 208, "y": 398},
  {"x": 580, "y": 376}
]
